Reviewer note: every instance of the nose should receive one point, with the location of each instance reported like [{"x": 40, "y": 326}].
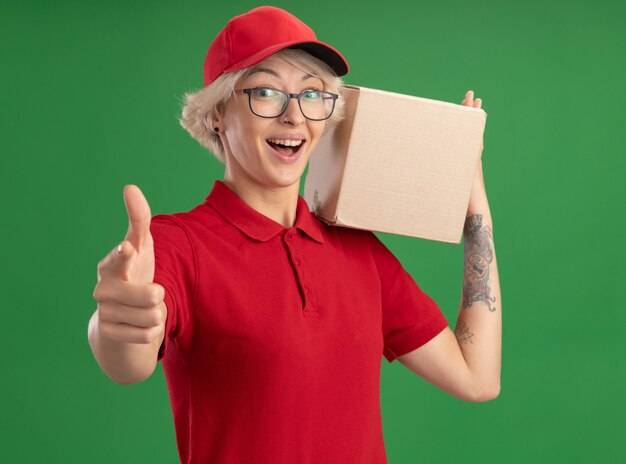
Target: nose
[{"x": 292, "y": 115}]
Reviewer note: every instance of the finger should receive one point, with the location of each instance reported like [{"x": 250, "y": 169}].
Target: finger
[
  {"x": 139, "y": 216},
  {"x": 478, "y": 103},
  {"x": 467, "y": 100},
  {"x": 130, "y": 315},
  {"x": 130, "y": 334},
  {"x": 117, "y": 263},
  {"x": 129, "y": 294}
]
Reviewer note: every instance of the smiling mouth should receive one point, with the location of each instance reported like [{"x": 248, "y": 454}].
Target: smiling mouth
[{"x": 286, "y": 147}]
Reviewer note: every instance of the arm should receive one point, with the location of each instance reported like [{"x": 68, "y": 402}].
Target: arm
[
  {"x": 126, "y": 331},
  {"x": 467, "y": 363}
]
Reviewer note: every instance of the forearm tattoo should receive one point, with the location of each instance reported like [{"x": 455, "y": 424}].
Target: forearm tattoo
[
  {"x": 478, "y": 256},
  {"x": 463, "y": 333}
]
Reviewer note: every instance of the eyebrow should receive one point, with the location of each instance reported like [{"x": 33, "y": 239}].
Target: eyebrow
[{"x": 275, "y": 74}]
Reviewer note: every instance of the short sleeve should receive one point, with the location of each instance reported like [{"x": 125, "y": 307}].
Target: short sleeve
[
  {"x": 175, "y": 271},
  {"x": 410, "y": 317}
]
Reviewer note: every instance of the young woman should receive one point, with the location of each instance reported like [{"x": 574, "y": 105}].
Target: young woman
[{"x": 270, "y": 325}]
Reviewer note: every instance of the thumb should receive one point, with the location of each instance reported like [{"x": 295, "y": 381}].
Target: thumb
[{"x": 139, "y": 216}]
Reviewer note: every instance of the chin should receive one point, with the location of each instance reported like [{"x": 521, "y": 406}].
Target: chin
[
  {"x": 284, "y": 181},
  {"x": 286, "y": 176}
]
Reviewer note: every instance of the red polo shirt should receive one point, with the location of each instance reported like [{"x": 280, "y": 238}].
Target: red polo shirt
[{"x": 275, "y": 336}]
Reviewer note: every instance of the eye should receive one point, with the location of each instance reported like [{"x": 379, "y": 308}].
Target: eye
[
  {"x": 312, "y": 94},
  {"x": 265, "y": 92}
]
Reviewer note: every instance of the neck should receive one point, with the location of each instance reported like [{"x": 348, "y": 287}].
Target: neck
[{"x": 277, "y": 203}]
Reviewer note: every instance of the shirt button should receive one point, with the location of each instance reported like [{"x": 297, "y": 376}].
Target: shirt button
[
  {"x": 297, "y": 262},
  {"x": 306, "y": 290}
]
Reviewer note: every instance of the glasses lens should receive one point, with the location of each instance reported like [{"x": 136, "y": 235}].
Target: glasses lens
[
  {"x": 267, "y": 102},
  {"x": 316, "y": 104},
  {"x": 270, "y": 103}
]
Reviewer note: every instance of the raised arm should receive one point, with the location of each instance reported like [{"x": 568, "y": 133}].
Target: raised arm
[
  {"x": 126, "y": 330},
  {"x": 466, "y": 363}
]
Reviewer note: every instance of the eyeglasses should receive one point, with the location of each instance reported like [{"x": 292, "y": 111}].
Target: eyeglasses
[{"x": 267, "y": 102}]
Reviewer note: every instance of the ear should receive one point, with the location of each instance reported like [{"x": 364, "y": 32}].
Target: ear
[
  {"x": 216, "y": 122},
  {"x": 219, "y": 110},
  {"x": 212, "y": 124}
]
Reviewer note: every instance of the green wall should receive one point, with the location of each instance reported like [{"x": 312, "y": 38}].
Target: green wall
[{"x": 90, "y": 93}]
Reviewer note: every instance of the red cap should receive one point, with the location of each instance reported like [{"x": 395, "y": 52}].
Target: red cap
[{"x": 250, "y": 38}]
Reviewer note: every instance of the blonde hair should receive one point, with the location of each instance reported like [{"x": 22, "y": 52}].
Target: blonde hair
[{"x": 202, "y": 106}]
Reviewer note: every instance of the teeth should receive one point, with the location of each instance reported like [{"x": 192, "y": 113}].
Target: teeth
[{"x": 287, "y": 143}]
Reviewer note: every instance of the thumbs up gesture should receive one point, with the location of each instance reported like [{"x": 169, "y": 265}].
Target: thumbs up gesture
[{"x": 130, "y": 305}]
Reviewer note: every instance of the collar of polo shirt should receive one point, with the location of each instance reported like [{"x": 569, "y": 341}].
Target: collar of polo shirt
[{"x": 254, "y": 224}]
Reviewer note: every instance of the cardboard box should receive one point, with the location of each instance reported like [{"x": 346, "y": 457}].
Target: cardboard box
[{"x": 397, "y": 164}]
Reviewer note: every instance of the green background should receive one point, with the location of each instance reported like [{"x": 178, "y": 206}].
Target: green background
[{"x": 90, "y": 96}]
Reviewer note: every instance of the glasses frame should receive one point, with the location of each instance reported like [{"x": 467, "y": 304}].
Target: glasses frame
[{"x": 297, "y": 96}]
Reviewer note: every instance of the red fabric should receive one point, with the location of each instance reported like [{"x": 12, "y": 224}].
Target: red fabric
[
  {"x": 275, "y": 336},
  {"x": 250, "y": 38}
]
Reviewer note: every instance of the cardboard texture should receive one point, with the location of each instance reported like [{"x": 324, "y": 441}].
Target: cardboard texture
[{"x": 397, "y": 164}]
